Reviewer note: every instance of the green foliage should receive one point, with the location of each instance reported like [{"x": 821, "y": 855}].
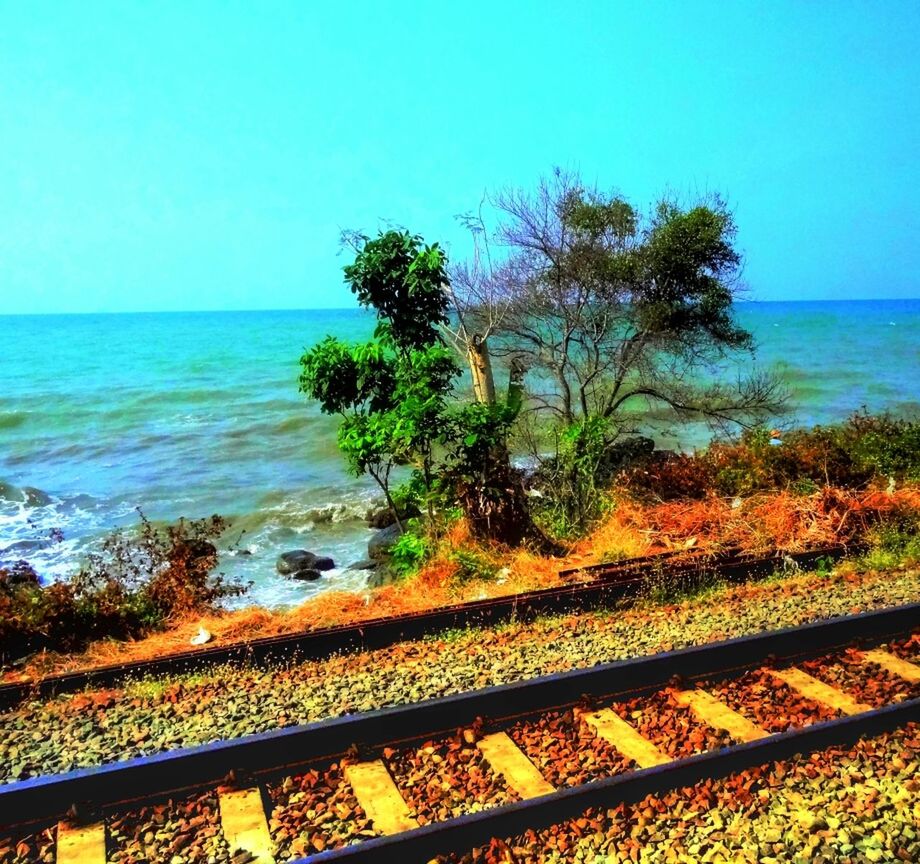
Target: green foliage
[
  {"x": 409, "y": 553},
  {"x": 409, "y": 496},
  {"x": 472, "y": 566},
  {"x": 478, "y": 431},
  {"x": 574, "y": 497},
  {"x": 393, "y": 394},
  {"x": 824, "y": 566},
  {"x": 887, "y": 446},
  {"x": 390, "y": 392},
  {"x": 687, "y": 266},
  {"x": 479, "y": 474},
  {"x": 401, "y": 279},
  {"x": 344, "y": 377},
  {"x": 895, "y": 542}
]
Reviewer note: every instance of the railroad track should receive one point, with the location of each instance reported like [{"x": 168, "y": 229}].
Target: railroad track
[
  {"x": 591, "y": 587},
  {"x": 549, "y": 749}
]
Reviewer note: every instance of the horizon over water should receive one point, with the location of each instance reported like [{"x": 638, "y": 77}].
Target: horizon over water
[{"x": 194, "y": 413}]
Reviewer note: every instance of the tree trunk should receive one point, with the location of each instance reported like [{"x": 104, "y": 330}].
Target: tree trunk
[
  {"x": 494, "y": 502},
  {"x": 481, "y": 369}
]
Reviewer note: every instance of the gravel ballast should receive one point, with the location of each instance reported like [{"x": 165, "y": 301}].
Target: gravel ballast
[{"x": 97, "y": 727}]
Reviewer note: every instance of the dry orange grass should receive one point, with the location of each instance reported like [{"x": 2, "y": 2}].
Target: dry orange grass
[{"x": 770, "y": 520}]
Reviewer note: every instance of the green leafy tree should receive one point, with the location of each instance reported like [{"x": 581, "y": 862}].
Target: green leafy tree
[
  {"x": 620, "y": 312},
  {"x": 391, "y": 391},
  {"x": 396, "y": 394}
]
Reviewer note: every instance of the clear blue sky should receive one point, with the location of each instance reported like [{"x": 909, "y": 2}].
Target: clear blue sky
[{"x": 204, "y": 155}]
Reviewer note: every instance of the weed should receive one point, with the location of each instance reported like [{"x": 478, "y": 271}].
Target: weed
[{"x": 472, "y": 565}]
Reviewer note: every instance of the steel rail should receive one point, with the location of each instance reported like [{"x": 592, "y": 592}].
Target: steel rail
[
  {"x": 43, "y": 800},
  {"x": 609, "y": 583},
  {"x": 465, "y": 833}
]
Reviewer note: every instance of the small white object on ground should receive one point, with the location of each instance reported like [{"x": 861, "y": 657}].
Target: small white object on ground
[{"x": 201, "y": 637}]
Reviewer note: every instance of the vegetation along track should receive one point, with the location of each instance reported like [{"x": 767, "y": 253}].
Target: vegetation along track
[
  {"x": 446, "y": 775},
  {"x": 587, "y": 588}
]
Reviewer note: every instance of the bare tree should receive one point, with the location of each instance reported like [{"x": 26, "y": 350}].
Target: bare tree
[
  {"x": 479, "y": 304},
  {"x": 612, "y": 312}
]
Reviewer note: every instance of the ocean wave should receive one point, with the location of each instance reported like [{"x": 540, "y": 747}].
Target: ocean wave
[
  {"x": 301, "y": 517},
  {"x": 193, "y": 396},
  {"x": 56, "y": 534},
  {"x": 28, "y": 496},
  {"x": 52, "y": 532},
  {"x": 12, "y": 419},
  {"x": 295, "y": 423}
]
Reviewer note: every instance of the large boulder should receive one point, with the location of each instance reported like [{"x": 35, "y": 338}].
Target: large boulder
[
  {"x": 382, "y": 516},
  {"x": 28, "y": 495},
  {"x": 380, "y": 577},
  {"x": 364, "y": 564},
  {"x": 299, "y": 560},
  {"x": 628, "y": 452},
  {"x": 308, "y": 574},
  {"x": 379, "y": 546},
  {"x": 35, "y": 497}
]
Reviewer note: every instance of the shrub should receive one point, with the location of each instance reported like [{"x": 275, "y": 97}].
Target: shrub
[
  {"x": 136, "y": 583},
  {"x": 408, "y": 553},
  {"x": 888, "y": 446},
  {"x": 850, "y": 455},
  {"x": 894, "y": 541},
  {"x": 472, "y": 565},
  {"x": 572, "y": 483}
]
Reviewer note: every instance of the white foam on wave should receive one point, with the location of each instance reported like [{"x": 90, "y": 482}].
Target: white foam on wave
[
  {"x": 334, "y": 528},
  {"x": 53, "y": 537}
]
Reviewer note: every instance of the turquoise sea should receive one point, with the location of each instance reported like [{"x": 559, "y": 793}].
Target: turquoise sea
[{"x": 198, "y": 413}]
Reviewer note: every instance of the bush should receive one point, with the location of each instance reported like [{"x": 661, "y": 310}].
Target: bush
[
  {"x": 889, "y": 447},
  {"x": 473, "y": 566},
  {"x": 408, "y": 553},
  {"x": 135, "y": 584},
  {"x": 850, "y": 455},
  {"x": 894, "y": 541},
  {"x": 573, "y": 484}
]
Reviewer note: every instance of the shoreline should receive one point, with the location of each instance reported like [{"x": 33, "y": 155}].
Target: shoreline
[{"x": 206, "y": 431}]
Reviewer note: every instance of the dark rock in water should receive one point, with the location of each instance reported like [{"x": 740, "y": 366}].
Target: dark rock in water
[
  {"x": 308, "y": 574},
  {"x": 292, "y": 563},
  {"x": 365, "y": 564},
  {"x": 200, "y": 549},
  {"x": 382, "y": 517},
  {"x": 28, "y": 495},
  {"x": 629, "y": 451},
  {"x": 378, "y": 547}
]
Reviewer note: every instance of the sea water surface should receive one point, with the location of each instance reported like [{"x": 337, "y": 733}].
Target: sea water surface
[{"x": 189, "y": 414}]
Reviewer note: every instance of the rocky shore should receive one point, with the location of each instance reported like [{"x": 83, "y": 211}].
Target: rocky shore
[{"x": 304, "y": 565}]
